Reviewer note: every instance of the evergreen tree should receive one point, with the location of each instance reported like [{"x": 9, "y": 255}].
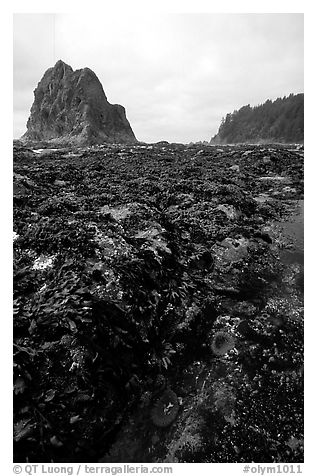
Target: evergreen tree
[{"x": 281, "y": 120}]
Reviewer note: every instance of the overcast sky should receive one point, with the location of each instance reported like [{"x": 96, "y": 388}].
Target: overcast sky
[{"x": 177, "y": 75}]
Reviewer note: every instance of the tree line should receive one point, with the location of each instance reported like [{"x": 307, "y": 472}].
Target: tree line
[{"x": 281, "y": 120}]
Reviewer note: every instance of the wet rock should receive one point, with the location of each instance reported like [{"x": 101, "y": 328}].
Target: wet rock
[
  {"x": 60, "y": 183},
  {"x": 118, "y": 213},
  {"x": 266, "y": 160},
  {"x": 20, "y": 189},
  {"x": 289, "y": 190},
  {"x": 228, "y": 210},
  {"x": 22, "y": 185},
  {"x": 274, "y": 178},
  {"x": 43, "y": 262},
  {"x": 231, "y": 250},
  {"x": 262, "y": 198},
  {"x": 224, "y": 398},
  {"x": 263, "y": 236},
  {"x": 202, "y": 261},
  {"x": 154, "y": 236},
  {"x": 246, "y": 330},
  {"x": 111, "y": 246}
]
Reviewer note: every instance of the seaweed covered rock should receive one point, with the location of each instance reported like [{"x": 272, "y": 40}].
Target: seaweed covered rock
[{"x": 126, "y": 257}]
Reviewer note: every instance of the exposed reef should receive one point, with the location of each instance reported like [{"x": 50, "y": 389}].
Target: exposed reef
[{"x": 158, "y": 304}]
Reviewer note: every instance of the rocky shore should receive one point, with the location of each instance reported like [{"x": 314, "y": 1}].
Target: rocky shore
[{"x": 158, "y": 303}]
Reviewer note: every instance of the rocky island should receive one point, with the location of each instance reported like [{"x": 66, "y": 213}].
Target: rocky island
[{"x": 71, "y": 108}]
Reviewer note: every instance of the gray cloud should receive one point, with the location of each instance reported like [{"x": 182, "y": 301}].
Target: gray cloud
[{"x": 176, "y": 74}]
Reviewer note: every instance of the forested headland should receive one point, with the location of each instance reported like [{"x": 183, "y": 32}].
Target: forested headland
[{"x": 281, "y": 120}]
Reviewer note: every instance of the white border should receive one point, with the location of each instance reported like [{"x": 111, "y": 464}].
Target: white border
[{"x": 134, "y": 6}]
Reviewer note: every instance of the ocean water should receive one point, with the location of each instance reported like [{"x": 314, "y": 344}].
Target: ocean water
[{"x": 293, "y": 229}]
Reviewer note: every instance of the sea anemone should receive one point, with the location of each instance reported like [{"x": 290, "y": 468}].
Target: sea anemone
[
  {"x": 165, "y": 409},
  {"x": 222, "y": 342}
]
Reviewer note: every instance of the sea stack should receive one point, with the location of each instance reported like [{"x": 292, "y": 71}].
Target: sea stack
[{"x": 70, "y": 107}]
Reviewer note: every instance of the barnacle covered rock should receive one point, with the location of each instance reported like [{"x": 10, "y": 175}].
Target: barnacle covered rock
[
  {"x": 165, "y": 409},
  {"x": 222, "y": 342}
]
